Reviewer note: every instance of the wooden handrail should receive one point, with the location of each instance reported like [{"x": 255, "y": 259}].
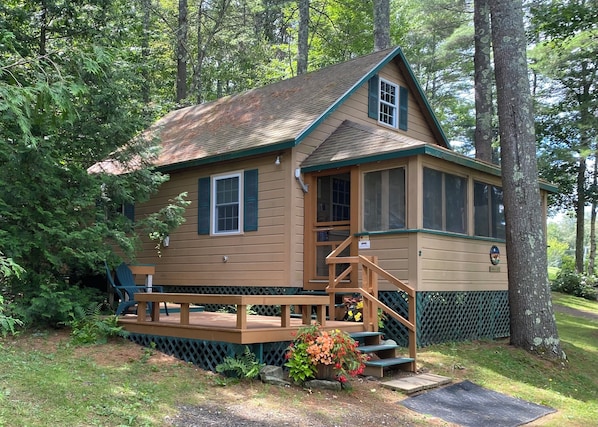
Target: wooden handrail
[{"x": 371, "y": 270}]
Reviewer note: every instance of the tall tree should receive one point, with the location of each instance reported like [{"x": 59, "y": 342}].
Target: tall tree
[
  {"x": 565, "y": 56},
  {"x": 381, "y": 24},
  {"x": 483, "y": 78},
  {"x": 181, "y": 57},
  {"x": 533, "y": 325},
  {"x": 303, "y": 37},
  {"x": 62, "y": 112},
  {"x": 439, "y": 44}
]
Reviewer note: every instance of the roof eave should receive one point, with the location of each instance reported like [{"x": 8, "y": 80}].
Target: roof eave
[
  {"x": 235, "y": 155},
  {"x": 424, "y": 149}
]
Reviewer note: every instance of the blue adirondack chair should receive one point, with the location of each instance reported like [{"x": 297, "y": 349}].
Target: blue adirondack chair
[{"x": 125, "y": 289}]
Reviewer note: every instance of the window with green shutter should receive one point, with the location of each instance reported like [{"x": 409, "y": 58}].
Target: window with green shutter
[
  {"x": 388, "y": 103},
  {"x": 228, "y": 203}
]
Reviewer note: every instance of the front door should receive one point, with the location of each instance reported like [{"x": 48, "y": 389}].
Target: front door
[{"x": 330, "y": 224}]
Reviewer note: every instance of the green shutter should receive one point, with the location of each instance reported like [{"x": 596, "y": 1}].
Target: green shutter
[
  {"x": 250, "y": 195},
  {"x": 403, "y": 101},
  {"x": 373, "y": 93},
  {"x": 129, "y": 211},
  {"x": 203, "y": 206}
]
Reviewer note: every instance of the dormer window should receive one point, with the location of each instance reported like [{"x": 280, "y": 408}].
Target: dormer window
[
  {"x": 388, "y": 110},
  {"x": 388, "y": 103}
]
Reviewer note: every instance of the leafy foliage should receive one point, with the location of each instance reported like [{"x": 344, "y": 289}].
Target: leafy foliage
[
  {"x": 573, "y": 283},
  {"x": 315, "y": 346},
  {"x": 91, "y": 327},
  {"x": 241, "y": 366}
]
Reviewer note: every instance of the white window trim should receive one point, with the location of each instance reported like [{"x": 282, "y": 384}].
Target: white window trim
[
  {"x": 395, "y": 106},
  {"x": 213, "y": 212}
]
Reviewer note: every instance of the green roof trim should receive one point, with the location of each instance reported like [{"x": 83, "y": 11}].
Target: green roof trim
[
  {"x": 305, "y": 132},
  {"x": 390, "y": 57},
  {"x": 428, "y": 231},
  {"x": 428, "y": 150},
  {"x": 229, "y": 156}
]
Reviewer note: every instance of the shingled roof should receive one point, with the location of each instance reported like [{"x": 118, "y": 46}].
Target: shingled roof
[
  {"x": 269, "y": 118},
  {"x": 340, "y": 149}
]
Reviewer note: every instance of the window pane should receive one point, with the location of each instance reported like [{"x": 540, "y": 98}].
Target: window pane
[
  {"x": 396, "y": 198},
  {"x": 341, "y": 199},
  {"x": 498, "y": 214},
  {"x": 227, "y": 204},
  {"x": 481, "y": 209},
  {"x": 388, "y": 103},
  {"x": 432, "y": 199},
  {"x": 489, "y": 212},
  {"x": 456, "y": 203},
  {"x": 372, "y": 201},
  {"x": 384, "y": 200}
]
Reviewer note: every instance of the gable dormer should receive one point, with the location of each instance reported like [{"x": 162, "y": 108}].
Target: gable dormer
[{"x": 388, "y": 103}]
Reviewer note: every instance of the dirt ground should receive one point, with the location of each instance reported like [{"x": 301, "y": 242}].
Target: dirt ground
[{"x": 367, "y": 404}]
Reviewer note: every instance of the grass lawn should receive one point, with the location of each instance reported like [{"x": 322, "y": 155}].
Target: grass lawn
[{"x": 44, "y": 380}]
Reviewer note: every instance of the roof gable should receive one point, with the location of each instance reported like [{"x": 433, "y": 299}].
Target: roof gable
[{"x": 272, "y": 117}]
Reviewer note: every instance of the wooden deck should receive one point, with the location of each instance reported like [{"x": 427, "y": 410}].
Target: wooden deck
[{"x": 236, "y": 328}]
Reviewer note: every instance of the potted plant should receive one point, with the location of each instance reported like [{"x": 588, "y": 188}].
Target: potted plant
[{"x": 324, "y": 354}]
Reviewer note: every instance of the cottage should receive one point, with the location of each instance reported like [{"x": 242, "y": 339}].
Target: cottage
[{"x": 281, "y": 175}]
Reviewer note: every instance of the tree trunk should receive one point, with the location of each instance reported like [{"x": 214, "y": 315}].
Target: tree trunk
[
  {"x": 381, "y": 24},
  {"x": 483, "y": 82},
  {"x": 303, "y": 45},
  {"x": 145, "y": 51},
  {"x": 580, "y": 214},
  {"x": 533, "y": 326},
  {"x": 592, "y": 254},
  {"x": 43, "y": 27},
  {"x": 181, "y": 59}
]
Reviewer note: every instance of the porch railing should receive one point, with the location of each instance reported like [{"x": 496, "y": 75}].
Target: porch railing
[{"x": 368, "y": 288}]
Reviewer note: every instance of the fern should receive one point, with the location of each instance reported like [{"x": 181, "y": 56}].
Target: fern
[
  {"x": 242, "y": 366},
  {"x": 90, "y": 327}
]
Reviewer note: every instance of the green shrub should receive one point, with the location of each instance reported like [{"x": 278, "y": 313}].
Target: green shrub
[
  {"x": 568, "y": 263},
  {"x": 242, "y": 366},
  {"x": 579, "y": 285},
  {"x": 90, "y": 327},
  {"x": 8, "y": 324},
  {"x": 54, "y": 304}
]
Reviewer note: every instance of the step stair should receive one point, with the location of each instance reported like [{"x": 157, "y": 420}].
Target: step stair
[{"x": 383, "y": 356}]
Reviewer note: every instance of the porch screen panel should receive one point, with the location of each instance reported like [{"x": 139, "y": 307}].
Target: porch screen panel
[
  {"x": 432, "y": 199},
  {"x": 445, "y": 201},
  {"x": 455, "y": 188},
  {"x": 384, "y": 200},
  {"x": 489, "y": 214}
]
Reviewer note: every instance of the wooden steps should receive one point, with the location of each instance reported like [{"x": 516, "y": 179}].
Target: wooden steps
[{"x": 383, "y": 356}]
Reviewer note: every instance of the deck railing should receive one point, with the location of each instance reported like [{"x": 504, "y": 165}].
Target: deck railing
[{"x": 368, "y": 288}]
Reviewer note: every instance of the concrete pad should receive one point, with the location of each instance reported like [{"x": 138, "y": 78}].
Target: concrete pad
[{"x": 415, "y": 383}]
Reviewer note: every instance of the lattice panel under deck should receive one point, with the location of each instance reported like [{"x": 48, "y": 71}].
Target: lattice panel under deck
[
  {"x": 209, "y": 354},
  {"x": 449, "y": 316},
  {"x": 461, "y": 316}
]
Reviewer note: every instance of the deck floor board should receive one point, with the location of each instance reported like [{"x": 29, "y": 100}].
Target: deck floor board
[{"x": 223, "y": 327}]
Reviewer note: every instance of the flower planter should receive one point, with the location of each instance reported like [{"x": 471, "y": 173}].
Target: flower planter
[{"x": 325, "y": 372}]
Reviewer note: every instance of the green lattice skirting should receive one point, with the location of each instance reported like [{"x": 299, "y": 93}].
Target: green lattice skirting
[
  {"x": 441, "y": 317},
  {"x": 450, "y": 316}
]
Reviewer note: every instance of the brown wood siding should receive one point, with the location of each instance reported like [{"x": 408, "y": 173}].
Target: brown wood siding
[
  {"x": 260, "y": 258},
  {"x": 458, "y": 264},
  {"x": 393, "y": 252}
]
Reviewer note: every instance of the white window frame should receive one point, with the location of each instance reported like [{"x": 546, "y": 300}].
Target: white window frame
[
  {"x": 387, "y": 108},
  {"x": 214, "y": 206}
]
